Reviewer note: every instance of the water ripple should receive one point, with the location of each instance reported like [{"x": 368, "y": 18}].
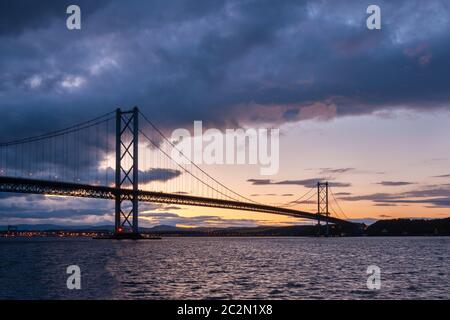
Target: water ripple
[{"x": 226, "y": 268}]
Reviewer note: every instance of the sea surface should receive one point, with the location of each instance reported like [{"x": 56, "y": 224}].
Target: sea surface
[{"x": 226, "y": 268}]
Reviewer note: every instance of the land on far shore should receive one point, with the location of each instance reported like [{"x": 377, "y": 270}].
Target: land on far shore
[{"x": 393, "y": 227}]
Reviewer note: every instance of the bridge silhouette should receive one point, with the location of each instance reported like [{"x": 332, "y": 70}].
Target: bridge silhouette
[{"x": 101, "y": 158}]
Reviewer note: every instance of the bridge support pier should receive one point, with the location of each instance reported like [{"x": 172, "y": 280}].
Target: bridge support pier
[
  {"x": 322, "y": 206},
  {"x": 126, "y": 206}
]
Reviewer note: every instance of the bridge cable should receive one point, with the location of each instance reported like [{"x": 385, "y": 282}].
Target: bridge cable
[
  {"x": 195, "y": 165},
  {"x": 187, "y": 171},
  {"x": 49, "y": 135},
  {"x": 297, "y": 201},
  {"x": 337, "y": 203}
]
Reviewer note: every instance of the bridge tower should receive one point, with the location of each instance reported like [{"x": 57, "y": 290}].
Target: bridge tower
[
  {"x": 322, "y": 205},
  {"x": 126, "y": 207}
]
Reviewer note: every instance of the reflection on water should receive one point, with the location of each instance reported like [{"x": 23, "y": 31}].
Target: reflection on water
[{"x": 226, "y": 268}]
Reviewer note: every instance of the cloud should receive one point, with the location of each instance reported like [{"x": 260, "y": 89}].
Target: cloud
[
  {"x": 22, "y": 16},
  {"x": 30, "y": 208},
  {"x": 385, "y": 205},
  {"x": 261, "y": 182},
  {"x": 44, "y": 207},
  {"x": 272, "y": 194},
  {"x": 394, "y": 183},
  {"x": 434, "y": 196},
  {"x": 343, "y": 194},
  {"x": 335, "y": 170},
  {"x": 224, "y": 61},
  {"x": 306, "y": 202},
  {"x": 421, "y": 54},
  {"x": 158, "y": 174},
  {"x": 442, "y": 176},
  {"x": 161, "y": 218},
  {"x": 169, "y": 207},
  {"x": 308, "y": 183}
]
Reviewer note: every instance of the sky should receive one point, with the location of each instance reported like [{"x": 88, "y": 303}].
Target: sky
[{"x": 366, "y": 110}]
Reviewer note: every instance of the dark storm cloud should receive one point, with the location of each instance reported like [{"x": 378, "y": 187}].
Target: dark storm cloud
[
  {"x": 158, "y": 174},
  {"x": 219, "y": 61},
  {"x": 71, "y": 166},
  {"x": 42, "y": 207},
  {"x": 19, "y": 16},
  {"x": 10, "y": 195},
  {"x": 38, "y": 207},
  {"x": 223, "y": 62},
  {"x": 23, "y": 213}
]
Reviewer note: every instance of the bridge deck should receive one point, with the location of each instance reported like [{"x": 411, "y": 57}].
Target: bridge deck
[{"x": 32, "y": 186}]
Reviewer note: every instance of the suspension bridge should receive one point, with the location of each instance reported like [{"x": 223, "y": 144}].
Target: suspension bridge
[{"x": 125, "y": 157}]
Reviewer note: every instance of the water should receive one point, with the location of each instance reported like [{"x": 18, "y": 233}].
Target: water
[{"x": 226, "y": 268}]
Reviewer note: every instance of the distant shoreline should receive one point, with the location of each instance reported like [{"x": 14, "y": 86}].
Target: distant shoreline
[
  {"x": 187, "y": 236},
  {"x": 381, "y": 228}
]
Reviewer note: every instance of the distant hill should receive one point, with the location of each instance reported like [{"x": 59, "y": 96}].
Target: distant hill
[
  {"x": 410, "y": 227},
  {"x": 163, "y": 228}
]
